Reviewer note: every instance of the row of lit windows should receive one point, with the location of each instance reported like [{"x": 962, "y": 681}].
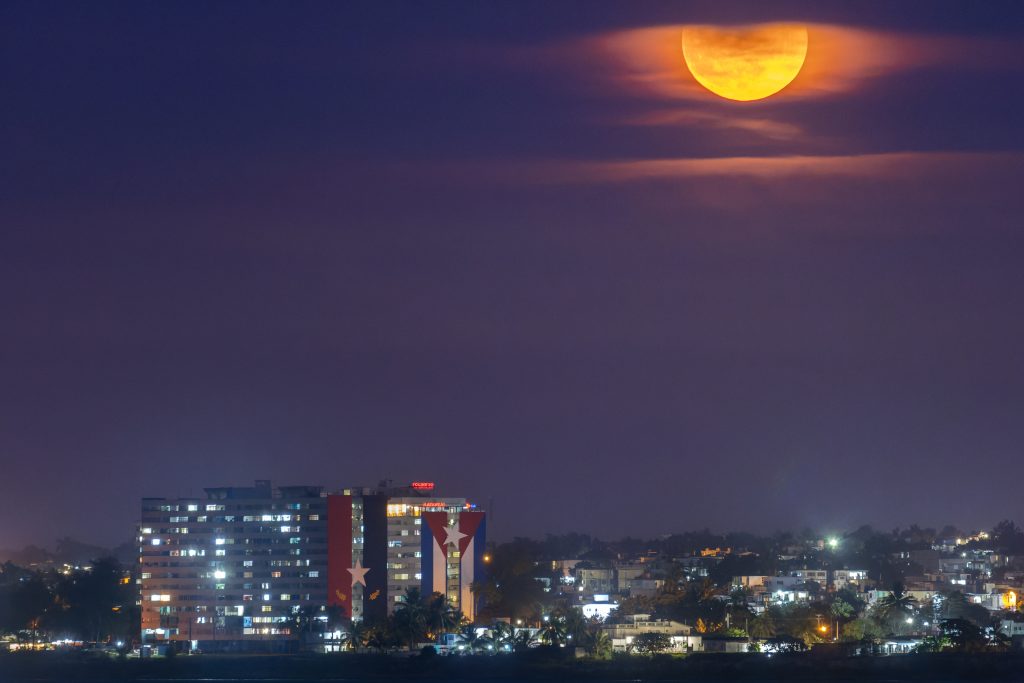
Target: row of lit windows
[
  {"x": 202, "y": 519},
  {"x": 292, "y": 540},
  {"x": 150, "y": 560},
  {"x": 312, "y": 574},
  {"x": 415, "y": 510},
  {"x": 217, "y": 507},
  {"x": 191, "y": 507}
]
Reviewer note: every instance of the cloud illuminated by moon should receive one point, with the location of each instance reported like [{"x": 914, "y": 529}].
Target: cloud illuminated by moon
[{"x": 839, "y": 59}]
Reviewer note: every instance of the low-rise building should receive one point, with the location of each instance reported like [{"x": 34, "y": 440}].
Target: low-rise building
[
  {"x": 819, "y": 576},
  {"x": 591, "y": 579},
  {"x": 730, "y": 644},
  {"x": 680, "y": 635},
  {"x": 645, "y": 587},
  {"x": 1011, "y": 628},
  {"x": 752, "y": 583},
  {"x": 847, "y": 578}
]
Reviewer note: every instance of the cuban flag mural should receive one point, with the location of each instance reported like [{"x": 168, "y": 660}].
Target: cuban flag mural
[
  {"x": 339, "y": 553},
  {"x": 464, "y": 533}
]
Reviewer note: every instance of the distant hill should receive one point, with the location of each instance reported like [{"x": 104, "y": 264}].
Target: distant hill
[
  {"x": 27, "y": 556},
  {"x": 68, "y": 551}
]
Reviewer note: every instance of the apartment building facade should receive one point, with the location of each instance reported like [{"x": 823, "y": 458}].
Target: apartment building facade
[{"x": 245, "y": 565}]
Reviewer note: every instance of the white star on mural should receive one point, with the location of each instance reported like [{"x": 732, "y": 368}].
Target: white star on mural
[
  {"x": 358, "y": 573},
  {"x": 452, "y": 535}
]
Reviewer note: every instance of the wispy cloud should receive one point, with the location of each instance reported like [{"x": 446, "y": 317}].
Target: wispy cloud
[
  {"x": 893, "y": 165},
  {"x": 839, "y": 59},
  {"x": 762, "y": 126}
]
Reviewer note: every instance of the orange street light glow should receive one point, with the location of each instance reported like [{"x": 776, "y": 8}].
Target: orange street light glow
[{"x": 745, "y": 63}]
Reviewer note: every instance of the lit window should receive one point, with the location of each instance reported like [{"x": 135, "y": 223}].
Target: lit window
[
  {"x": 155, "y": 541},
  {"x": 193, "y": 508},
  {"x": 219, "y": 574},
  {"x": 219, "y": 541},
  {"x": 314, "y": 574}
]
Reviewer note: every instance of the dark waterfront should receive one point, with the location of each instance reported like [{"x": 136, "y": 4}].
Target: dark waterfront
[{"x": 935, "y": 668}]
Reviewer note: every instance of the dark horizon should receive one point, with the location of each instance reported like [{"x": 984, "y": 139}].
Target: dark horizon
[{"x": 512, "y": 249}]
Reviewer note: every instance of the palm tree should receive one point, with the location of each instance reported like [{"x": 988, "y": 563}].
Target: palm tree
[
  {"x": 523, "y": 640},
  {"x": 502, "y": 634},
  {"x": 599, "y": 644},
  {"x": 335, "y": 617},
  {"x": 553, "y": 632},
  {"x": 357, "y": 635},
  {"x": 470, "y": 638},
  {"x": 440, "y": 616},
  {"x": 765, "y": 624},
  {"x": 411, "y": 617},
  {"x": 305, "y": 620},
  {"x": 897, "y": 606},
  {"x": 380, "y": 638},
  {"x": 577, "y": 627}
]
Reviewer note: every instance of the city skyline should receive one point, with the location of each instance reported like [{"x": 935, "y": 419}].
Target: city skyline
[{"x": 515, "y": 250}]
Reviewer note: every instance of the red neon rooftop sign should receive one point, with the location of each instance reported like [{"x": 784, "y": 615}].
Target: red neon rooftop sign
[{"x": 423, "y": 485}]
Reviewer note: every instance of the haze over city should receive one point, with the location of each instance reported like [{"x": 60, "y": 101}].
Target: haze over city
[{"x": 516, "y": 250}]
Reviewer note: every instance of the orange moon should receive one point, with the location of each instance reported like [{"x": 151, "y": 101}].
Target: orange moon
[{"x": 745, "y": 63}]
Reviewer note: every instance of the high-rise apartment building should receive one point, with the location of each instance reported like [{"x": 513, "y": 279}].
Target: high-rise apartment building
[
  {"x": 237, "y": 563},
  {"x": 389, "y": 544},
  {"x": 237, "y": 567}
]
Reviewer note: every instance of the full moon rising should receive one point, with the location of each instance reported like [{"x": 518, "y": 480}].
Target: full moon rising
[{"x": 745, "y": 63}]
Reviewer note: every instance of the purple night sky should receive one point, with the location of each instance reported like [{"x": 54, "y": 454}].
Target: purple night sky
[{"x": 511, "y": 248}]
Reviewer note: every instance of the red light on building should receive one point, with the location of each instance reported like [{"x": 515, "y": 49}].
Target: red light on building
[
  {"x": 423, "y": 485},
  {"x": 434, "y": 504}
]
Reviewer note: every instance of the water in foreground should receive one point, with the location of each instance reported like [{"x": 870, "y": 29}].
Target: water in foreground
[{"x": 705, "y": 668}]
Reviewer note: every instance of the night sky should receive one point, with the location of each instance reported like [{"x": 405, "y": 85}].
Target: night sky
[{"x": 515, "y": 249}]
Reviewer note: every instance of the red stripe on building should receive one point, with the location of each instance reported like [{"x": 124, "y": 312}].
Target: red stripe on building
[{"x": 436, "y": 522}]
